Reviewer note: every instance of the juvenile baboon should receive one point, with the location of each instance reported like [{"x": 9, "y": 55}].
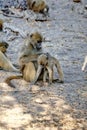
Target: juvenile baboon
[
  {"x": 1, "y": 24},
  {"x": 5, "y": 63},
  {"x": 30, "y": 51},
  {"x": 46, "y": 63},
  {"x": 84, "y": 63},
  {"x": 39, "y": 6}
]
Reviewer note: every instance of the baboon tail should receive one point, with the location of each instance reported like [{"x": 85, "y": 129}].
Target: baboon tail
[{"x": 8, "y": 80}]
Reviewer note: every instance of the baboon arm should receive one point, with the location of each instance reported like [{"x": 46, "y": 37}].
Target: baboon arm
[
  {"x": 30, "y": 58},
  {"x": 37, "y": 74}
]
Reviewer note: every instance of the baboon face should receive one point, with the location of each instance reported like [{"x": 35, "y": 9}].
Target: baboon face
[
  {"x": 43, "y": 60},
  {"x": 36, "y": 40},
  {"x": 3, "y": 46},
  {"x": 3, "y": 49}
]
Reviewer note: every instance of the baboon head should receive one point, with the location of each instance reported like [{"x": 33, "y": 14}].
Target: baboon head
[
  {"x": 3, "y": 46},
  {"x": 43, "y": 60},
  {"x": 36, "y": 39},
  {"x": 39, "y": 6}
]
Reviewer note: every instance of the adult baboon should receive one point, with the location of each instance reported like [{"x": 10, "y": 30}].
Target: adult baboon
[{"x": 30, "y": 51}]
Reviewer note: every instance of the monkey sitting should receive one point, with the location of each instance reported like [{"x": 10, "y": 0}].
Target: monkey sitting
[
  {"x": 46, "y": 63},
  {"x": 4, "y": 61},
  {"x": 84, "y": 64},
  {"x": 39, "y": 6},
  {"x": 29, "y": 53}
]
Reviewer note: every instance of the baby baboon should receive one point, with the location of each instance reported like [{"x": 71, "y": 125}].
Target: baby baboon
[
  {"x": 5, "y": 63},
  {"x": 1, "y": 24},
  {"x": 46, "y": 63},
  {"x": 84, "y": 63},
  {"x": 39, "y": 6}
]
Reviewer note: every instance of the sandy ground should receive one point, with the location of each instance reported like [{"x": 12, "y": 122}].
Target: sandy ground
[{"x": 58, "y": 106}]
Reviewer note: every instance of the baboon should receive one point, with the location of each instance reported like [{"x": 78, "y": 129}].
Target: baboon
[
  {"x": 84, "y": 63},
  {"x": 46, "y": 63},
  {"x": 1, "y": 24},
  {"x": 30, "y": 51},
  {"x": 5, "y": 63},
  {"x": 39, "y": 6}
]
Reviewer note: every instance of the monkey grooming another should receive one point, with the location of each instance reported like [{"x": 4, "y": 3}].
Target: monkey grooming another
[
  {"x": 30, "y": 51},
  {"x": 84, "y": 63},
  {"x": 39, "y": 6},
  {"x": 5, "y": 63},
  {"x": 46, "y": 63}
]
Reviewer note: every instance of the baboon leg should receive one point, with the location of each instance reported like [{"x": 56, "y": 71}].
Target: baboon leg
[
  {"x": 50, "y": 74},
  {"x": 45, "y": 75},
  {"x": 37, "y": 74},
  {"x": 29, "y": 72}
]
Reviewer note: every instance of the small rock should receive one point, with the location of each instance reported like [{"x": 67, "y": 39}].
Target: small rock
[{"x": 38, "y": 100}]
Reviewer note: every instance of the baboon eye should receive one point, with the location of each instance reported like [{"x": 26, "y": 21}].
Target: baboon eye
[{"x": 39, "y": 41}]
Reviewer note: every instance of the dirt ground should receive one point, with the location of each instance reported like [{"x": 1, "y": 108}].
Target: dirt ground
[{"x": 43, "y": 107}]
